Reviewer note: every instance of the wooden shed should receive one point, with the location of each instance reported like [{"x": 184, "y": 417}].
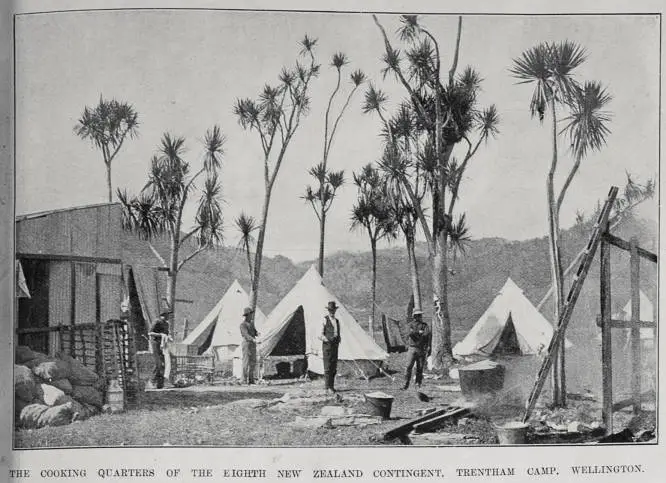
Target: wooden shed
[{"x": 72, "y": 262}]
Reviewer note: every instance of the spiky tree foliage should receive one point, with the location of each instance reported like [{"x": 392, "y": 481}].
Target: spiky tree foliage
[
  {"x": 328, "y": 182},
  {"x": 401, "y": 137},
  {"x": 274, "y": 117},
  {"x": 447, "y": 113},
  {"x": 106, "y": 126},
  {"x": 247, "y": 225},
  {"x": 158, "y": 209},
  {"x": 550, "y": 68},
  {"x": 372, "y": 213}
]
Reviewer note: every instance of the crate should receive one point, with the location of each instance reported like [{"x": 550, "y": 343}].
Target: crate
[{"x": 190, "y": 366}]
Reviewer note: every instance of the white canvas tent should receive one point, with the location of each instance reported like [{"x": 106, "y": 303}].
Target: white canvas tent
[
  {"x": 510, "y": 321},
  {"x": 294, "y": 326},
  {"x": 646, "y": 314},
  {"x": 219, "y": 333}
]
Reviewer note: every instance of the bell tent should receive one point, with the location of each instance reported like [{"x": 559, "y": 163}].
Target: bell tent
[
  {"x": 646, "y": 314},
  {"x": 293, "y": 328},
  {"x": 219, "y": 333},
  {"x": 510, "y": 326}
]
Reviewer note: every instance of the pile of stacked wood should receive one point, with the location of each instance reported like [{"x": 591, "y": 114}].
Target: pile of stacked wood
[{"x": 53, "y": 390}]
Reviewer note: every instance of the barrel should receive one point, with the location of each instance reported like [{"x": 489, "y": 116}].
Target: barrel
[
  {"x": 481, "y": 378},
  {"x": 512, "y": 433},
  {"x": 379, "y": 404}
]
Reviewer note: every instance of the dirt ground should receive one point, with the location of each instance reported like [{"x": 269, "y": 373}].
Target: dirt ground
[{"x": 226, "y": 414}]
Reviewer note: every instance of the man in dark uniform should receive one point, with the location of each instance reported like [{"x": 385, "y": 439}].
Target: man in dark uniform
[
  {"x": 419, "y": 347},
  {"x": 158, "y": 332},
  {"x": 249, "y": 346},
  {"x": 330, "y": 337}
]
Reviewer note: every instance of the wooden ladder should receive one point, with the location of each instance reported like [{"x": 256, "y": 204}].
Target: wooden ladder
[{"x": 570, "y": 303}]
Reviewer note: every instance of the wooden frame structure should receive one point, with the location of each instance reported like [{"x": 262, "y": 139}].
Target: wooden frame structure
[{"x": 608, "y": 323}]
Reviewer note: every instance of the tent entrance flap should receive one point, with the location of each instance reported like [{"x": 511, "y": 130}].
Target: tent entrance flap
[
  {"x": 292, "y": 340},
  {"x": 508, "y": 342},
  {"x": 208, "y": 340}
]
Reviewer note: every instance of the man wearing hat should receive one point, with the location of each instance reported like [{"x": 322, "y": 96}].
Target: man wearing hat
[
  {"x": 158, "y": 333},
  {"x": 249, "y": 346},
  {"x": 330, "y": 337},
  {"x": 419, "y": 347}
]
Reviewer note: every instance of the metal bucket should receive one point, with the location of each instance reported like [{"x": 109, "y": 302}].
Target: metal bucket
[
  {"x": 512, "y": 433},
  {"x": 379, "y": 405}
]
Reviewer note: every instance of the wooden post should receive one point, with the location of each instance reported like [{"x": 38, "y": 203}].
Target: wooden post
[
  {"x": 634, "y": 262},
  {"x": 606, "y": 341},
  {"x": 72, "y": 295}
]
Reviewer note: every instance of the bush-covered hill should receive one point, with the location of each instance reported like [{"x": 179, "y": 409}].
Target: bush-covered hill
[{"x": 477, "y": 277}]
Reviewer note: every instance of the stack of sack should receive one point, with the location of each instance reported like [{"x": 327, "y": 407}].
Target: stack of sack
[{"x": 53, "y": 391}]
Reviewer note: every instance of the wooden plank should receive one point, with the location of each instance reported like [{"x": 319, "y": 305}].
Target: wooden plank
[
  {"x": 606, "y": 341},
  {"x": 437, "y": 421},
  {"x": 405, "y": 428},
  {"x": 634, "y": 263},
  {"x": 66, "y": 258},
  {"x": 647, "y": 395},
  {"x": 628, "y": 324},
  {"x": 625, "y": 245}
]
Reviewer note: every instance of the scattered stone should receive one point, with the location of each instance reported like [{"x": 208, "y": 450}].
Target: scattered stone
[
  {"x": 360, "y": 420},
  {"x": 463, "y": 422},
  {"x": 311, "y": 422},
  {"x": 430, "y": 439},
  {"x": 423, "y": 412},
  {"x": 336, "y": 411},
  {"x": 450, "y": 387}
]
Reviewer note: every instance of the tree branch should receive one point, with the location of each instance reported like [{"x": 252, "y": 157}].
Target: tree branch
[
  {"x": 328, "y": 110},
  {"x": 454, "y": 65},
  {"x": 337, "y": 120},
  {"x": 567, "y": 182},
  {"x": 456, "y": 187},
  {"x": 157, "y": 254},
  {"x": 404, "y": 82},
  {"x": 187, "y": 235},
  {"x": 190, "y": 257}
]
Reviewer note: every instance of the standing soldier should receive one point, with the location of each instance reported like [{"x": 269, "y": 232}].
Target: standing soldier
[
  {"x": 158, "y": 335},
  {"x": 330, "y": 337},
  {"x": 249, "y": 347},
  {"x": 419, "y": 348}
]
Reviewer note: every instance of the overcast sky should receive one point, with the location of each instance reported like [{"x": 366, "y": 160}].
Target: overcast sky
[{"x": 183, "y": 70}]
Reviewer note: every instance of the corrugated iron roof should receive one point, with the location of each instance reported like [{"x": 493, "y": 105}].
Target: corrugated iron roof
[{"x": 39, "y": 214}]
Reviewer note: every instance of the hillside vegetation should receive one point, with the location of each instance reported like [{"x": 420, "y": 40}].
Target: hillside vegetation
[{"x": 478, "y": 275}]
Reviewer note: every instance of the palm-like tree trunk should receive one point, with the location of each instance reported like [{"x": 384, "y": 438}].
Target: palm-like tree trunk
[
  {"x": 414, "y": 272},
  {"x": 556, "y": 263},
  {"x": 442, "y": 354},
  {"x": 373, "y": 245},
  {"x": 260, "y": 249},
  {"x": 322, "y": 233},
  {"x": 172, "y": 277},
  {"x": 249, "y": 261},
  {"x": 108, "y": 182}
]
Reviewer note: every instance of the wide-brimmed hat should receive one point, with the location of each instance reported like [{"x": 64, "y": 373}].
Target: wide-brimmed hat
[
  {"x": 417, "y": 312},
  {"x": 247, "y": 311},
  {"x": 165, "y": 314},
  {"x": 332, "y": 305}
]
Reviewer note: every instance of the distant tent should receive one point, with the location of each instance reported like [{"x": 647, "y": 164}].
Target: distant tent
[
  {"x": 510, "y": 325},
  {"x": 219, "y": 333},
  {"x": 646, "y": 314},
  {"x": 294, "y": 326},
  {"x": 21, "y": 285}
]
